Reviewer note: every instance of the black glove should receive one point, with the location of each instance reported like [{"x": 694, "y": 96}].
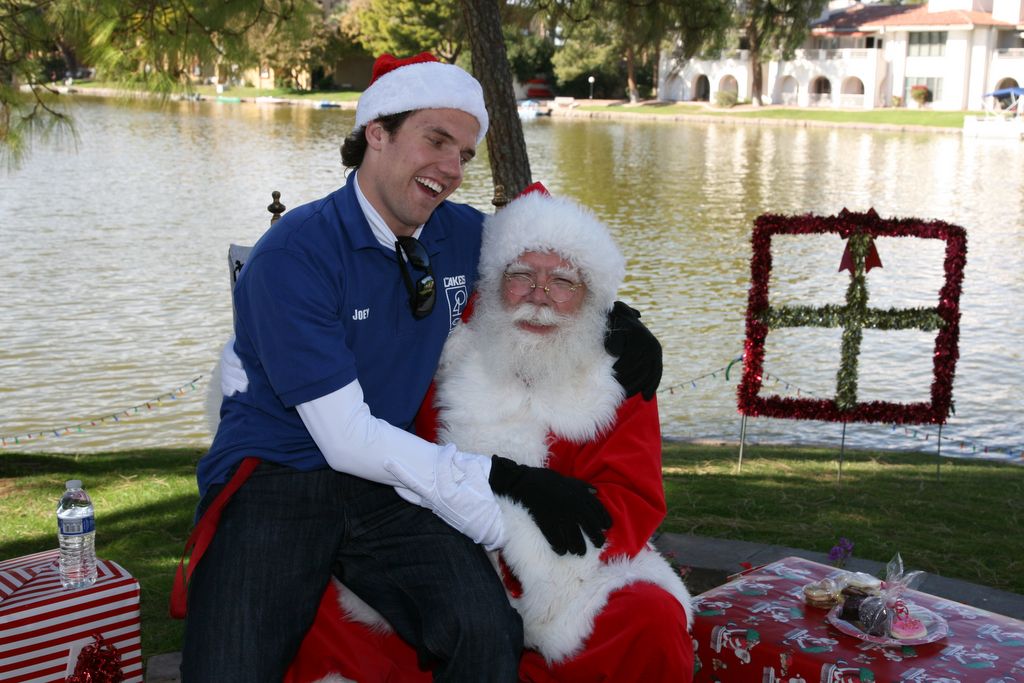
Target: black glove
[
  {"x": 638, "y": 367},
  {"x": 561, "y": 506}
]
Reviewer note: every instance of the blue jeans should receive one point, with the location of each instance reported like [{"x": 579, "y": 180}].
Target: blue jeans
[{"x": 255, "y": 593}]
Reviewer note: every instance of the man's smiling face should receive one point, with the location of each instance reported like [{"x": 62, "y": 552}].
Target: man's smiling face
[{"x": 406, "y": 176}]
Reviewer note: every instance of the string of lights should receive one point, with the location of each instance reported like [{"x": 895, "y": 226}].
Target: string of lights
[
  {"x": 139, "y": 408},
  {"x": 962, "y": 447}
]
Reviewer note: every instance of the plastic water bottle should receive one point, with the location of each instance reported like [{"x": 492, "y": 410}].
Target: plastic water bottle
[{"x": 76, "y": 529}]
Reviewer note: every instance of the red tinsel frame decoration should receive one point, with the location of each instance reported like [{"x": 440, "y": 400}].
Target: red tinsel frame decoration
[{"x": 946, "y": 317}]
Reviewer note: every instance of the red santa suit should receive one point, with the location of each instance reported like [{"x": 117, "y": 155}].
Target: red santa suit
[{"x": 617, "y": 613}]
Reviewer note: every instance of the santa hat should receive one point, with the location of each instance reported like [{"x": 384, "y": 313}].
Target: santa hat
[
  {"x": 536, "y": 221},
  {"x": 419, "y": 82}
]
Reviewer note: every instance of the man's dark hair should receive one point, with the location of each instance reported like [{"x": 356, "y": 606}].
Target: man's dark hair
[{"x": 354, "y": 147}]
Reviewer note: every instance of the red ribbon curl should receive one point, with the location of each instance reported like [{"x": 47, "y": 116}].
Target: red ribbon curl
[{"x": 98, "y": 662}]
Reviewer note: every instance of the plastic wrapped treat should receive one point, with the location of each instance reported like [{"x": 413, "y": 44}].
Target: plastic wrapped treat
[
  {"x": 904, "y": 625},
  {"x": 887, "y": 617},
  {"x": 824, "y": 594},
  {"x": 863, "y": 583},
  {"x": 857, "y": 587},
  {"x": 876, "y": 611}
]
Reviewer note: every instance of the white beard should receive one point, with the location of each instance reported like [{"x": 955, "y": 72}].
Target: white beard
[
  {"x": 574, "y": 346},
  {"x": 505, "y": 390}
]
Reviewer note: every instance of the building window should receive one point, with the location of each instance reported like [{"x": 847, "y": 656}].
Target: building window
[
  {"x": 927, "y": 44},
  {"x": 934, "y": 86}
]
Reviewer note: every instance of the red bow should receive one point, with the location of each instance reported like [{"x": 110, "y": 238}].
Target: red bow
[
  {"x": 871, "y": 260},
  {"x": 98, "y": 662}
]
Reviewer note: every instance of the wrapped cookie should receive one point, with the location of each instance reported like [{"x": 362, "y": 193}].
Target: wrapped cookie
[
  {"x": 823, "y": 594},
  {"x": 857, "y": 587},
  {"x": 876, "y": 611}
]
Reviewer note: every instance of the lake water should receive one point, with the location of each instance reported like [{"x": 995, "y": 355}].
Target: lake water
[{"x": 115, "y": 295}]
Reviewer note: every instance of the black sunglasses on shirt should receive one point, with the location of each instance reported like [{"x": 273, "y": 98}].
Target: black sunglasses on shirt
[{"x": 422, "y": 293}]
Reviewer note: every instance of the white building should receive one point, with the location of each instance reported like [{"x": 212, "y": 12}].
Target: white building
[{"x": 869, "y": 55}]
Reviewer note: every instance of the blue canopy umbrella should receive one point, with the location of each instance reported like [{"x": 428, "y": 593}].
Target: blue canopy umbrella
[
  {"x": 1009, "y": 99},
  {"x": 1006, "y": 92}
]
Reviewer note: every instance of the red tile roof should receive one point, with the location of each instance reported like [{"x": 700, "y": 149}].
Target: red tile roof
[
  {"x": 854, "y": 17},
  {"x": 872, "y": 17}
]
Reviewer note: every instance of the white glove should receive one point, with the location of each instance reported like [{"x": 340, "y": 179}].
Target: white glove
[
  {"x": 453, "y": 485},
  {"x": 232, "y": 375},
  {"x": 458, "y": 493}
]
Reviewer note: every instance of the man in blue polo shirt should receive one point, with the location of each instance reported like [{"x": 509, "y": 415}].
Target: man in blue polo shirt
[{"x": 341, "y": 313}]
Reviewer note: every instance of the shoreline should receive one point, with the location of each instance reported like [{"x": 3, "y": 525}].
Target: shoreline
[
  {"x": 557, "y": 110},
  {"x": 263, "y": 100},
  {"x": 575, "y": 112}
]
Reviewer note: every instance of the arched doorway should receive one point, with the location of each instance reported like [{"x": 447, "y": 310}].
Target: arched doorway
[
  {"x": 821, "y": 91},
  {"x": 789, "y": 91},
  {"x": 852, "y": 92},
  {"x": 729, "y": 84},
  {"x": 701, "y": 89}
]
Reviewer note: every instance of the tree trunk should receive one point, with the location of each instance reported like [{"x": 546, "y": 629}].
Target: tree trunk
[
  {"x": 70, "y": 58},
  {"x": 506, "y": 146},
  {"x": 756, "y": 84},
  {"x": 656, "y": 69},
  {"x": 634, "y": 92},
  {"x": 754, "y": 45}
]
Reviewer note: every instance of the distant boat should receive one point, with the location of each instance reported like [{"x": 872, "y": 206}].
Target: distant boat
[
  {"x": 1004, "y": 116},
  {"x": 228, "y": 99},
  {"x": 326, "y": 104},
  {"x": 268, "y": 99},
  {"x": 531, "y": 109}
]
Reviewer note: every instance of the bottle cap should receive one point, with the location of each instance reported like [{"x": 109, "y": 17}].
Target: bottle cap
[{"x": 73, "y": 484}]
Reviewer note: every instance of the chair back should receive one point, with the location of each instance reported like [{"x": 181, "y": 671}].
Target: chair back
[{"x": 238, "y": 254}]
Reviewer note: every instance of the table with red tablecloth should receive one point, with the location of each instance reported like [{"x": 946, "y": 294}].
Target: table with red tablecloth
[
  {"x": 757, "y": 629},
  {"x": 44, "y": 628}
]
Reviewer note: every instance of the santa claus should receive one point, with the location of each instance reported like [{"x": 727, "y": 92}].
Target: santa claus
[{"x": 528, "y": 379}]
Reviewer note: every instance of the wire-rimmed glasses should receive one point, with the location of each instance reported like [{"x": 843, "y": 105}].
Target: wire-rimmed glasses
[{"x": 558, "y": 289}]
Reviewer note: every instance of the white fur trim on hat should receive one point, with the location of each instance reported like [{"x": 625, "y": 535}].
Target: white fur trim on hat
[
  {"x": 423, "y": 85},
  {"x": 540, "y": 222}
]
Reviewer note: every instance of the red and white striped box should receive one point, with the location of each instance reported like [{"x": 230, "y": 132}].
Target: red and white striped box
[{"x": 44, "y": 627}]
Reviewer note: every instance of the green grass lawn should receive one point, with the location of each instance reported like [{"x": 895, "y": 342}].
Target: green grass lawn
[
  {"x": 892, "y": 116},
  {"x": 144, "y": 503},
  {"x": 964, "y": 525}
]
